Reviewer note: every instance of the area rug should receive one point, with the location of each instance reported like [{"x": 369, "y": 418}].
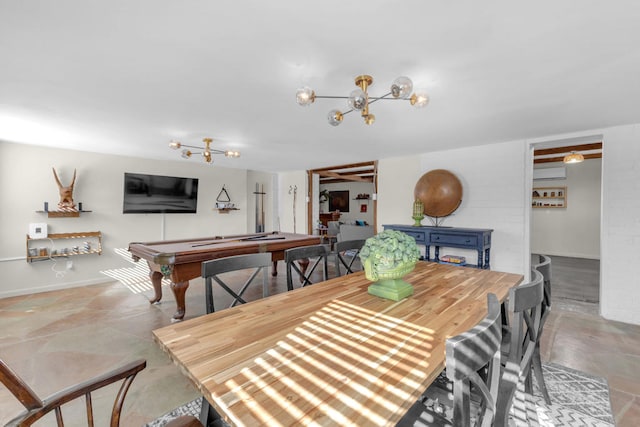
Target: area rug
[
  {"x": 578, "y": 399},
  {"x": 189, "y": 408}
]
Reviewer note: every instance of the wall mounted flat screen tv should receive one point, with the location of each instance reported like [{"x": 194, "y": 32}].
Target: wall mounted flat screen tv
[{"x": 159, "y": 194}]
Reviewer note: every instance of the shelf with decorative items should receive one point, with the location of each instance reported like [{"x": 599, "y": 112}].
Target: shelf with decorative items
[
  {"x": 223, "y": 202},
  {"x": 81, "y": 243},
  {"x": 549, "y": 197}
]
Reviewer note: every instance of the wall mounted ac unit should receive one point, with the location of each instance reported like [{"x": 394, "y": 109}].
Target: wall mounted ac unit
[{"x": 550, "y": 173}]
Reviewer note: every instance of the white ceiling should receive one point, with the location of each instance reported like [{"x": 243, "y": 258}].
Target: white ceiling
[{"x": 126, "y": 77}]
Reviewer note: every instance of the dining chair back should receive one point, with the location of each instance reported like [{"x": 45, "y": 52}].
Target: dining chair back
[
  {"x": 211, "y": 271},
  {"x": 525, "y": 305},
  {"x": 467, "y": 355},
  {"x": 346, "y": 255},
  {"x": 303, "y": 254},
  {"x": 36, "y": 408},
  {"x": 544, "y": 268}
]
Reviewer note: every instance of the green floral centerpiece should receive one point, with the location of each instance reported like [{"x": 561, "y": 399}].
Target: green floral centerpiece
[{"x": 387, "y": 258}]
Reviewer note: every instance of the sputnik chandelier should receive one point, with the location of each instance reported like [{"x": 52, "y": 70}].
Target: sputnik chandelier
[
  {"x": 360, "y": 100},
  {"x": 206, "y": 151}
]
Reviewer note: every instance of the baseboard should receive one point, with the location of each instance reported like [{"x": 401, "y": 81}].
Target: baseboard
[
  {"x": 569, "y": 255},
  {"x": 54, "y": 287}
]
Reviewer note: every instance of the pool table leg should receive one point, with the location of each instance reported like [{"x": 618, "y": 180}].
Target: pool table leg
[
  {"x": 179, "y": 290},
  {"x": 156, "y": 281},
  {"x": 304, "y": 264}
]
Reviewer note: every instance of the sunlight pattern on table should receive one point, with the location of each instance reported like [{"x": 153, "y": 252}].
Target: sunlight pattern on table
[
  {"x": 330, "y": 343},
  {"x": 561, "y": 413}
]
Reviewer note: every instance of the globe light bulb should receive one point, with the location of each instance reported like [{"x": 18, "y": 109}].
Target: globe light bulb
[
  {"x": 186, "y": 154},
  {"x": 175, "y": 145},
  {"x": 357, "y": 99},
  {"x": 335, "y": 117},
  {"x": 305, "y": 96},
  {"x": 401, "y": 87},
  {"x": 419, "y": 99},
  {"x": 369, "y": 119}
]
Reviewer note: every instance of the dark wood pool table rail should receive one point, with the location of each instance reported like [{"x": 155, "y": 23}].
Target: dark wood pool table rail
[{"x": 180, "y": 260}]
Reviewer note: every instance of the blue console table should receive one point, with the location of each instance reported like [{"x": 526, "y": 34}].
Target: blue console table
[{"x": 451, "y": 237}]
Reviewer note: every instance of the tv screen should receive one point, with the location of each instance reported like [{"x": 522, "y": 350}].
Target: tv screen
[{"x": 159, "y": 194}]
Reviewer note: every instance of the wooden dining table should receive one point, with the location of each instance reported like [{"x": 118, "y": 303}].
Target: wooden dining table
[{"x": 331, "y": 353}]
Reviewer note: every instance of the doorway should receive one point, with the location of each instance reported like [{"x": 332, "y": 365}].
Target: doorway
[
  {"x": 344, "y": 193},
  {"x": 566, "y": 218}
]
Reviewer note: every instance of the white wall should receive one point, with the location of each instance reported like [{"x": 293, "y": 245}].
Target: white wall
[
  {"x": 494, "y": 197},
  {"x": 397, "y": 178},
  {"x": 293, "y": 217},
  {"x": 27, "y": 181},
  {"x": 573, "y": 231},
  {"x": 619, "y": 284}
]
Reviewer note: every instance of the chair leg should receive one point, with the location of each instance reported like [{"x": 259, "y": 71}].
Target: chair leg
[
  {"x": 338, "y": 273},
  {"x": 208, "y": 415},
  {"x": 208, "y": 286},
  {"x": 536, "y": 365}
]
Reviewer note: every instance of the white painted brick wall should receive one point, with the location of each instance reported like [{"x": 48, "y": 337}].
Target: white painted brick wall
[
  {"x": 620, "y": 282},
  {"x": 494, "y": 197}
]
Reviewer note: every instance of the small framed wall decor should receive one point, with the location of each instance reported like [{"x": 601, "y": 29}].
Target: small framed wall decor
[
  {"x": 339, "y": 201},
  {"x": 38, "y": 230}
]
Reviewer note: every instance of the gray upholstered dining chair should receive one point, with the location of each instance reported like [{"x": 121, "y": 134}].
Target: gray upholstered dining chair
[
  {"x": 346, "y": 253},
  {"x": 212, "y": 269},
  {"x": 467, "y": 354},
  {"x": 518, "y": 347},
  {"x": 544, "y": 267},
  {"x": 318, "y": 253}
]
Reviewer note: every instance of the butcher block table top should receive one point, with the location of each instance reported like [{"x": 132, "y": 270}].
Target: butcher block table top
[{"x": 330, "y": 353}]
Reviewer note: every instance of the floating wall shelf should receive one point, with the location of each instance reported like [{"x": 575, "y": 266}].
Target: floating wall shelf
[
  {"x": 63, "y": 214},
  {"x": 226, "y": 210}
]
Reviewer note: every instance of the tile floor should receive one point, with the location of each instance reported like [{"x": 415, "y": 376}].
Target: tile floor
[{"x": 56, "y": 339}]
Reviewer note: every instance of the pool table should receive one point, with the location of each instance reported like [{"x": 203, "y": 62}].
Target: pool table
[{"x": 180, "y": 260}]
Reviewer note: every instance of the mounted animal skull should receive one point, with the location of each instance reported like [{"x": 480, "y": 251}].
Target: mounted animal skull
[{"x": 66, "y": 193}]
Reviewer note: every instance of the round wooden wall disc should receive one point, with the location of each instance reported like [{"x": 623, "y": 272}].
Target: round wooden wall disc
[{"x": 440, "y": 192}]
